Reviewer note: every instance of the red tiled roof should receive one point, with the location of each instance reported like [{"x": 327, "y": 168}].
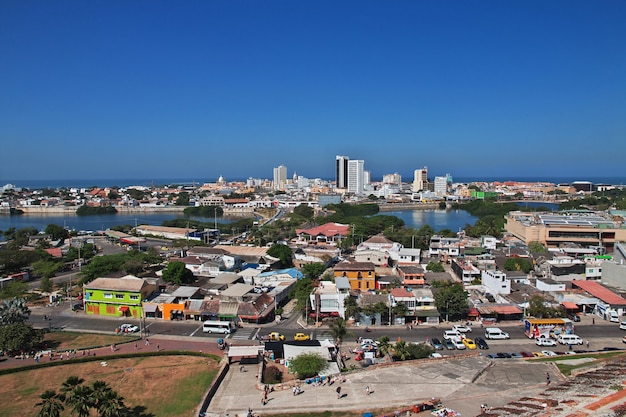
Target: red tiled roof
[
  {"x": 401, "y": 293},
  {"x": 328, "y": 229},
  {"x": 55, "y": 252},
  {"x": 600, "y": 291},
  {"x": 569, "y": 305}
]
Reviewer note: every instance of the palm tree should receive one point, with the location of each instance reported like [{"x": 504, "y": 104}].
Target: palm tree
[
  {"x": 14, "y": 310},
  {"x": 339, "y": 330},
  {"x": 80, "y": 400},
  {"x": 384, "y": 347},
  {"x": 110, "y": 404},
  {"x": 51, "y": 404},
  {"x": 105, "y": 400},
  {"x": 69, "y": 385}
]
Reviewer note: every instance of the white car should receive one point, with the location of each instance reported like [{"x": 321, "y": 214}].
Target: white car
[
  {"x": 458, "y": 344},
  {"x": 128, "y": 328},
  {"x": 545, "y": 341},
  {"x": 622, "y": 325},
  {"x": 462, "y": 328},
  {"x": 548, "y": 353},
  {"x": 453, "y": 334}
]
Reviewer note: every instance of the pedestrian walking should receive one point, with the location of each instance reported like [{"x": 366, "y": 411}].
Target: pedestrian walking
[
  {"x": 367, "y": 390},
  {"x": 147, "y": 342},
  {"x": 135, "y": 346},
  {"x": 547, "y": 378},
  {"x": 593, "y": 320},
  {"x": 113, "y": 347},
  {"x": 158, "y": 347},
  {"x": 587, "y": 343},
  {"x": 338, "y": 392}
]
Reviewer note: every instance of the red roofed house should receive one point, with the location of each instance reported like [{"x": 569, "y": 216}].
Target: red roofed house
[
  {"x": 608, "y": 301},
  {"x": 329, "y": 232},
  {"x": 402, "y": 296}
]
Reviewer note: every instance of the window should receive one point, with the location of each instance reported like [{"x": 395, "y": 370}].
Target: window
[
  {"x": 119, "y": 296},
  {"x": 134, "y": 297},
  {"x": 108, "y": 295}
]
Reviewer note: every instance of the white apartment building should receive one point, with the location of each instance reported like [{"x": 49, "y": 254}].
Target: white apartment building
[
  {"x": 496, "y": 282},
  {"x": 356, "y": 176},
  {"x": 441, "y": 186},
  {"x": 280, "y": 177}
]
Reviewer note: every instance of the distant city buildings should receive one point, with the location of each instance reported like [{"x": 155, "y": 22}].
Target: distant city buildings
[
  {"x": 356, "y": 177},
  {"x": 420, "y": 179},
  {"x": 280, "y": 177},
  {"x": 341, "y": 171}
]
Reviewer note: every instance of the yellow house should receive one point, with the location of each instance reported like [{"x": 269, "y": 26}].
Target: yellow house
[{"x": 361, "y": 275}]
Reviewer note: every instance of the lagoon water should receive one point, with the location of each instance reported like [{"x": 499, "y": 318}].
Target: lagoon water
[{"x": 437, "y": 219}]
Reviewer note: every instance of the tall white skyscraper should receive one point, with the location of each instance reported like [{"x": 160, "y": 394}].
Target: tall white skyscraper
[
  {"x": 441, "y": 186},
  {"x": 420, "y": 178},
  {"x": 341, "y": 171},
  {"x": 280, "y": 177},
  {"x": 356, "y": 176}
]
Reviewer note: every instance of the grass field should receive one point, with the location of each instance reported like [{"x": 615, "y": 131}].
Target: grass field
[
  {"x": 61, "y": 341},
  {"x": 167, "y": 386}
]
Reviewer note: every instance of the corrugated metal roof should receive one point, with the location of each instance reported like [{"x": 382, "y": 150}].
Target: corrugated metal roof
[{"x": 600, "y": 291}]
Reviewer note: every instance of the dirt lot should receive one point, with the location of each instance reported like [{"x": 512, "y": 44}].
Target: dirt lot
[{"x": 170, "y": 386}]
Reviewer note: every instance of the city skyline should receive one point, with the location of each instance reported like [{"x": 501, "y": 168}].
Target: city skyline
[{"x": 235, "y": 89}]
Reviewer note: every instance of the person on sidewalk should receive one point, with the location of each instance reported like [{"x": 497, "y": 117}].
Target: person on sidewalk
[
  {"x": 338, "y": 392},
  {"x": 547, "y": 378},
  {"x": 367, "y": 390}
]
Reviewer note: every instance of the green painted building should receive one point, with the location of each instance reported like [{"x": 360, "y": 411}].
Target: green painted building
[
  {"x": 117, "y": 297},
  {"x": 483, "y": 195}
]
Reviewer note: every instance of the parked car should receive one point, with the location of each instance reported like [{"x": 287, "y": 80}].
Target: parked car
[
  {"x": 458, "y": 344},
  {"x": 504, "y": 355},
  {"x": 545, "y": 341},
  {"x": 526, "y": 354},
  {"x": 548, "y": 353},
  {"x": 516, "y": 355},
  {"x": 436, "y": 343},
  {"x": 449, "y": 344},
  {"x": 481, "y": 343},
  {"x": 301, "y": 337},
  {"x": 452, "y": 334},
  {"x": 624, "y": 339},
  {"x": 573, "y": 317},
  {"x": 622, "y": 325},
  {"x": 436, "y": 355},
  {"x": 128, "y": 328},
  {"x": 469, "y": 343},
  {"x": 462, "y": 328}
]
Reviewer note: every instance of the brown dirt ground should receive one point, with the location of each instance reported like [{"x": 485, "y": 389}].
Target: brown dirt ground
[{"x": 153, "y": 382}]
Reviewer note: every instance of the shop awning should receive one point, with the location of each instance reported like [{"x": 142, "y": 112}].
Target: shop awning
[
  {"x": 473, "y": 312},
  {"x": 569, "y": 305},
  {"x": 150, "y": 308},
  {"x": 124, "y": 308}
]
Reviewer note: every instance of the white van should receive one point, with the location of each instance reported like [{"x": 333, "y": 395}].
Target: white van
[
  {"x": 495, "y": 333},
  {"x": 570, "y": 339}
]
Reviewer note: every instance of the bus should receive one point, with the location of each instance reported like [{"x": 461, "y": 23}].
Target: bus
[
  {"x": 533, "y": 328},
  {"x": 218, "y": 326}
]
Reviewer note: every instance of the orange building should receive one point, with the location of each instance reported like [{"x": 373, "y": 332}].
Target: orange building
[{"x": 361, "y": 275}]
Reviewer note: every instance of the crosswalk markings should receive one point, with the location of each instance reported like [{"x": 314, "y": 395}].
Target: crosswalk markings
[{"x": 243, "y": 334}]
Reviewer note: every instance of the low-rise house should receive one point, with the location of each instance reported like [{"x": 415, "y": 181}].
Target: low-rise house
[
  {"x": 407, "y": 256},
  {"x": 412, "y": 276},
  {"x": 327, "y": 233},
  {"x": 120, "y": 297},
  {"x": 378, "y": 258},
  {"x": 328, "y": 298},
  {"x": 496, "y": 282},
  {"x": 360, "y": 275},
  {"x": 465, "y": 270}
]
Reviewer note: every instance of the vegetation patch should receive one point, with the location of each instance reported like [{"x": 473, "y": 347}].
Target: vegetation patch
[{"x": 169, "y": 386}]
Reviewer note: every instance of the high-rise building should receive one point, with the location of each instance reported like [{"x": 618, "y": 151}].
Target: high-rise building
[
  {"x": 341, "y": 171},
  {"x": 356, "y": 176},
  {"x": 280, "y": 177},
  {"x": 441, "y": 186},
  {"x": 420, "y": 178}
]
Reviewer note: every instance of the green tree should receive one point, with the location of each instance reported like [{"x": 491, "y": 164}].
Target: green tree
[
  {"x": 304, "y": 211},
  {"x": 178, "y": 274},
  {"x": 183, "y": 199},
  {"x": 384, "y": 346},
  {"x": 300, "y": 292},
  {"x": 400, "y": 310},
  {"x": 339, "y": 330},
  {"x": 50, "y": 405},
  {"x": 518, "y": 264},
  {"x": 46, "y": 285},
  {"x": 313, "y": 270},
  {"x": 14, "y": 310},
  {"x": 18, "y": 337},
  {"x": 56, "y": 232},
  {"x": 14, "y": 290},
  {"x": 282, "y": 252},
  {"x": 47, "y": 268},
  {"x": 352, "y": 308},
  {"x": 307, "y": 365},
  {"x": 435, "y": 267},
  {"x": 451, "y": 299},
  {"x": 536, "y": 247}
]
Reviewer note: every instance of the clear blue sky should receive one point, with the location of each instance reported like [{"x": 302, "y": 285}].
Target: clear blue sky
[{"x": 198, "y": 89}]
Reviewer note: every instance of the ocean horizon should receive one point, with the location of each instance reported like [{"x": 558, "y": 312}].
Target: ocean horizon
[{"x": 146, "y": 182}]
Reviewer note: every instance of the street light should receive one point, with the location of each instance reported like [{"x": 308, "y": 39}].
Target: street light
[{"x": 447, "y": 311}]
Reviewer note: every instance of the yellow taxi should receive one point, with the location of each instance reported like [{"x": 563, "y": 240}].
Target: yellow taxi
[
  {"x": 301, "y": 337},
  {"x": 469, "y": 343}
]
